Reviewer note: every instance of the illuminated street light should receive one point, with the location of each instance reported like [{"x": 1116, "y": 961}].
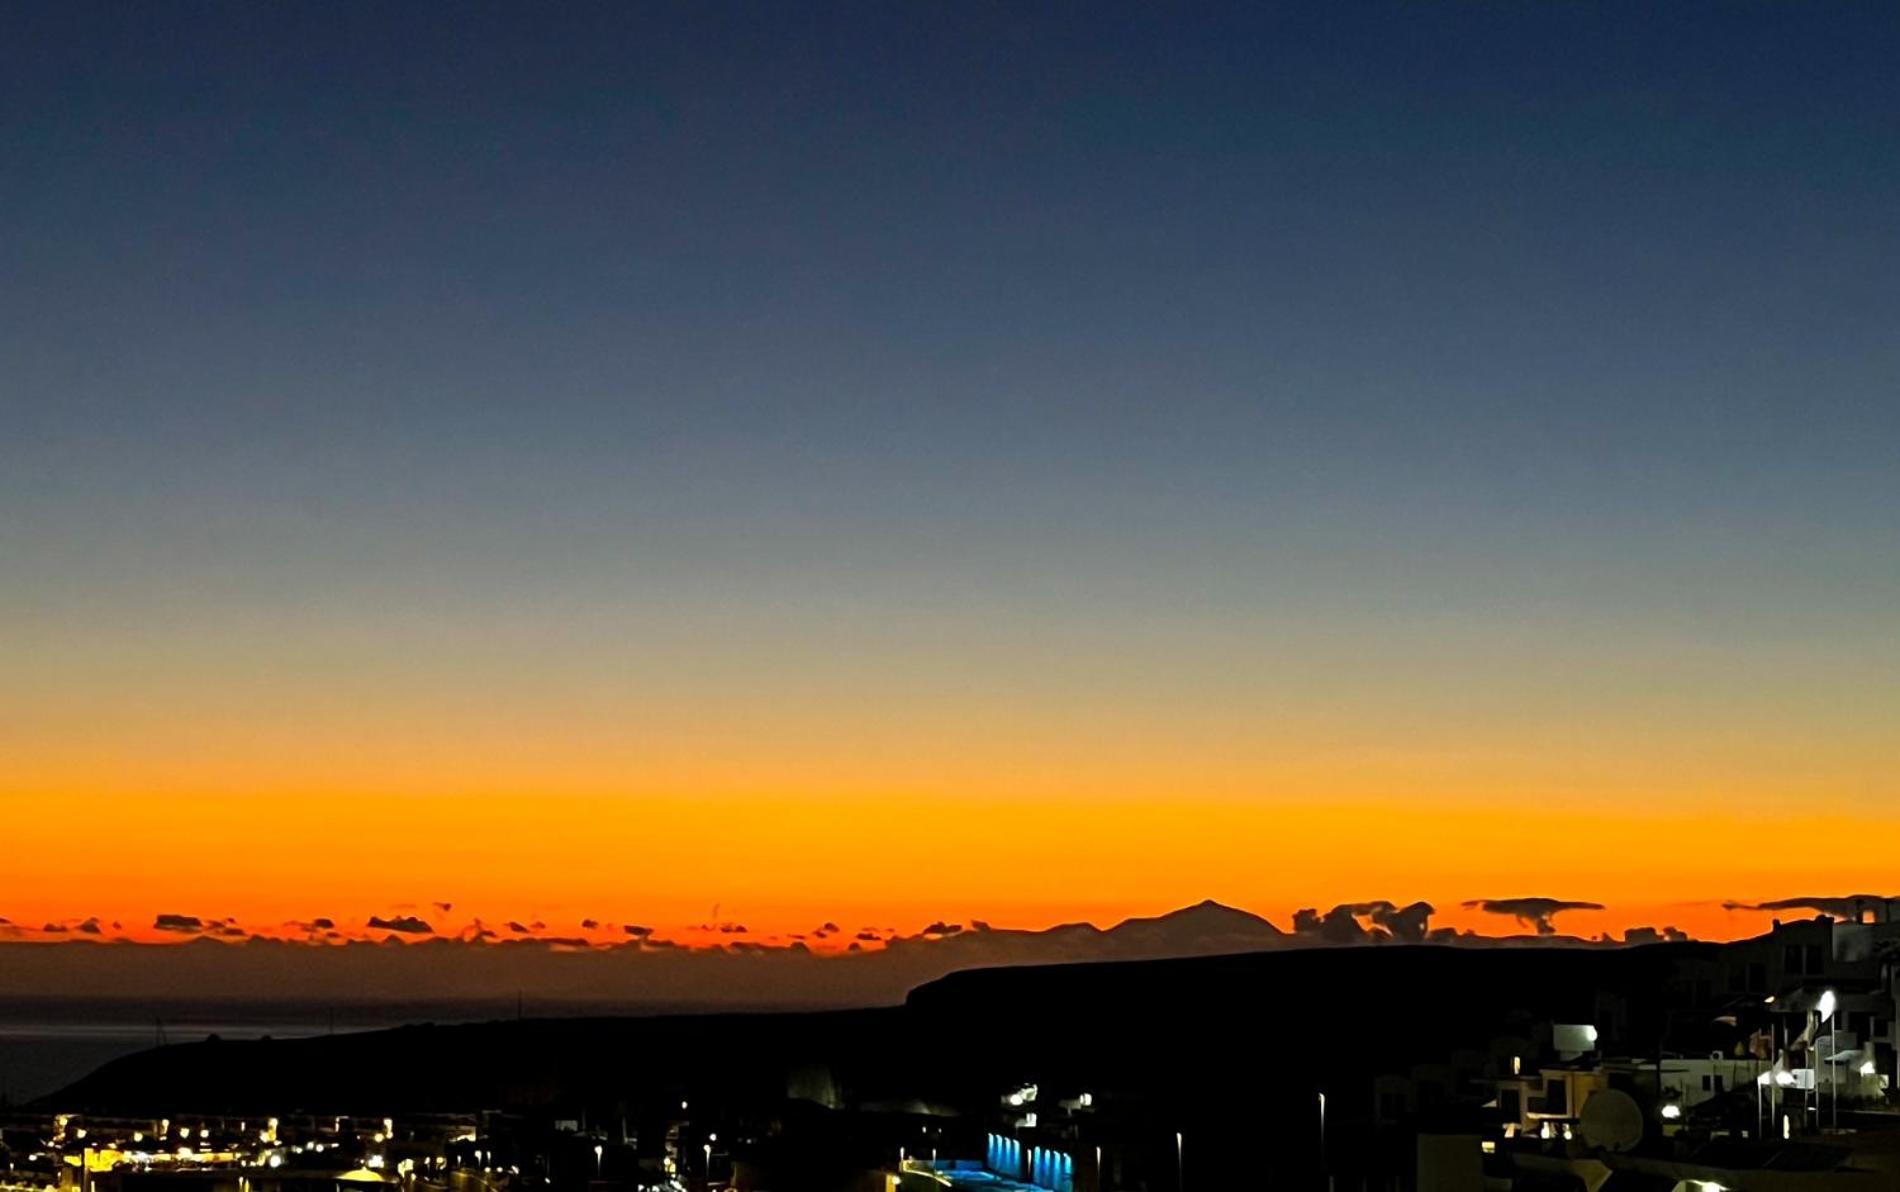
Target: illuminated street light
[
  {"x": 1825, "y": 1009},
  {"x": 598, "y": 1152},
  {"x": 1672, "y": 1111}
]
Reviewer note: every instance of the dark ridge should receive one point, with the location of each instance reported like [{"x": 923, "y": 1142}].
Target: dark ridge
[{"x": 1194, "y": 1031}]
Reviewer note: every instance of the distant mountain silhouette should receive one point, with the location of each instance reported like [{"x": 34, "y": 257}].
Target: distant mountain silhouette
[{"x": 635, "y": 977}]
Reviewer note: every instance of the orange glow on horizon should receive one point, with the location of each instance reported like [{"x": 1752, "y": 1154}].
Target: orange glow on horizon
[{"x": 783, "y": 866}]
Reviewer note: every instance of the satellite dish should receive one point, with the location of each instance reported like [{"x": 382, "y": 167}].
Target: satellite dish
[{"x": 1611, "y": 1120}]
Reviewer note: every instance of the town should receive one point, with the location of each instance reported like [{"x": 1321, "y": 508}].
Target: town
[{"x": 1753, "y": 1066}]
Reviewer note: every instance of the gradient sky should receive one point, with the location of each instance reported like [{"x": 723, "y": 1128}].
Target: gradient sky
[{"x": 887, "y": 462}]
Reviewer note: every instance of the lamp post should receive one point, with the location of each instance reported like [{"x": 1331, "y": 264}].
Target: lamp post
[
  {"x": 1829, "y": 1003},
  {"x": 1179, "y": 1169},
  {"x": 599, "y": 1150},
  {"x": 1761, "y": 1078},
  {"x": 1325, "y": 1162}
]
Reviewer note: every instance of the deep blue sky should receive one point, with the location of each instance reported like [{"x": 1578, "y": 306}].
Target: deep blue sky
[{"x": 1413, "y": 372}]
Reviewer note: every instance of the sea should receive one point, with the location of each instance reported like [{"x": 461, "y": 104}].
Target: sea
[{"x": 47, "y": 1044}]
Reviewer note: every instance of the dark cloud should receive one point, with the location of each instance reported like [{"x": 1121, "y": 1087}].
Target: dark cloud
[
  {"x": 54, "y": 929},
  {"x": 1343, "y": 924},
  {"x": 91, "y": 927},
  {"x": 520, "y": 928},
  {"x": 732, "y": 929},
  {"x": 869, "y": 937},
  {"x": 942, "y": 928},
  {"x": 637, "y": 930},
  {"x": 407, "y": 924},
  {"x": 1407, "y": 924},
  {"x": 827, "y": 928},
  {"x": 445, "y": 907},
  {"x": 183, "y": 924},
  {"x": 1337, "y": 926},
  {"x": 1535, "y": 913},
  {"x": 589, "y": 924},
  {"x": 1654, "y": 935},
  {"x": 979, "y": 925},
  {"x": 1843, "y": 906}
]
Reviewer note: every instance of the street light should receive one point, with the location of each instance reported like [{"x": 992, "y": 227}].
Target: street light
[
  {"x": 1178, "y": 1182},
  {"x": 1826, "y": 1009},
  {"x": 599, "y": 1150},
  {"x": 1325, "y": 1165}
]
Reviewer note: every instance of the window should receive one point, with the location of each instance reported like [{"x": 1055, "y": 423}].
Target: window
[
  {"x": 1791, "y": 959},
  {"x": 1817, "y": 960},
  {"x": 1708, "y": 1082},
  {"x": 1556, "y": 1097}
]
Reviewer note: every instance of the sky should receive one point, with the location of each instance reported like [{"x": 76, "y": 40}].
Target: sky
[{"x": 702, "y": 463}]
